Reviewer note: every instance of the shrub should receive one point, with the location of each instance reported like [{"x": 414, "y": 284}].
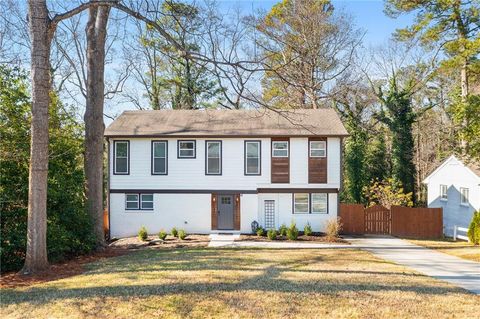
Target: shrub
[
  {"x": 142, "y": 234},
  {"x": 283, "y": 230},
  {"x": 292, "y": 232},
  {"x": 162, "y": 235},
  {"x": 387, "y": 193},
  {"x": 260, "y": 231},
  {"x": 174, "y": 232},
  {"x": 182, "y": 234},
  {"x": 474, "y": 229},
  {"x": 333, "y": 228},
  {"x": 272, "y": 234},
  {"x": 307, "y": 230}
]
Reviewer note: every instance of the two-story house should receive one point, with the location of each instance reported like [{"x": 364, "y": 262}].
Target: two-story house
[{"x": 220, "y": 170}]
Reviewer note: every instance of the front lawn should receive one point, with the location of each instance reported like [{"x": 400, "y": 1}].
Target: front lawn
[
  {"x": 242, "y": 283},
  {"x": 460, "y": 249}
]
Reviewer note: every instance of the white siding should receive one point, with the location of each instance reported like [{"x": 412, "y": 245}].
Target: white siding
[
  {"x": 454, "y": 175},
  {"x": 333, "y": 162},
  {"x": 299, "y": 160},
  {"x": 284, "y": 212}
]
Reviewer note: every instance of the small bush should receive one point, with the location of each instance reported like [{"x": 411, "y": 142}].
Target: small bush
[
  {"x": 474, "y": 229},
  {"x": 143, "y": 234},
  {"x": 283, "y": 230},
  {"x": 292, "y": 232},
  {"x": 333, "y": 228},
  {"x": 260, "y": 232},
  {"x": 272, "y": 234},
  {"x": 307, "y": 230},
  {"x": 182, "y": 234},
  {"x": 174, "y": 232},
  {"x": 162, "y": 235}
]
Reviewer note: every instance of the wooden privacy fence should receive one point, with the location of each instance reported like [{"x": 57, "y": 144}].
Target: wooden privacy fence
[{"x": 396, "y": 221}]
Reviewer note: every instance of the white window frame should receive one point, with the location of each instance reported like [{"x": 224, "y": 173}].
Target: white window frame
[
  {"x": 207, "y": 172},
  {"x": 146, "y": 201},
  {"x": 325, "y": 195},
  {"x": 443, "y": 195},
  {"x": 194, "y": 149},
  {"x": 159, "y": 157},
  {"x": 131, "y": 201},
  {"x": 115, "y": 157},
  {"x": 322, "y": 148},
  {"x": 258, "y": 157},
  {"x": 295, "y": 199},
  {"x": 464, "y": 198},
  {"x": 274, "y": 143}
]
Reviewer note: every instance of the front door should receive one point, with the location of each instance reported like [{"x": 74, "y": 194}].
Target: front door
[{"x": 225, "y": 212}]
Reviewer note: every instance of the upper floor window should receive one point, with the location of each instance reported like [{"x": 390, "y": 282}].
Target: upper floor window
[
  {"x": 186, "y": 149},
  {"x": 463, "y": 196},
  {"x": 443, "y": 192},
  {"x": 318, "y": 148},
  {"x": 159, "y": 157},
  {"x": 280, "y": 148},
  {"x": 121, "y": 151},
  {"x": 252, "y": 157},
  {"x": 300, "y": 203},
  {"x": 213, "y": 165}
]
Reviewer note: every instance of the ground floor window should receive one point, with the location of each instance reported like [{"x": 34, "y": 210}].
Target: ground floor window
[
  {"x": 310, "y": 203},
  {"x": 139, "y": 201},
  {"x": 269, "y": 208}
]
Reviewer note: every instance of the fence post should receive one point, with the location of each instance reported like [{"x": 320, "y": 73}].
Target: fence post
[{"x": 454, "y": 232}]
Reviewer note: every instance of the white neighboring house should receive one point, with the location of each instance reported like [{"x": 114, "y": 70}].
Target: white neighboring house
[
  {"x": 455, "y": 186},
  {"x": 219, "y": 170}
]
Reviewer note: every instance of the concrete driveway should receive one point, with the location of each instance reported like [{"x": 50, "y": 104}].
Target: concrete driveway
[{"x": 460, "y": 272}]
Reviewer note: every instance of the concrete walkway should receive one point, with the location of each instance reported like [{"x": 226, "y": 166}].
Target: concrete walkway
[{"x": 460, "y": 272}]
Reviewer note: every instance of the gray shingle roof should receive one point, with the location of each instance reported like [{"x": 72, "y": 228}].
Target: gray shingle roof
[{"x": 262, "y": 122}]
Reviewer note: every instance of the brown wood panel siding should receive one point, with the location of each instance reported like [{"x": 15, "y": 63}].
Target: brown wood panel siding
[
  {"x": 214, "y": 211},
  {"x": 280, "y": 168},
  {"x": 236, "y": 215},
  {"x": 317, "y": 166}
]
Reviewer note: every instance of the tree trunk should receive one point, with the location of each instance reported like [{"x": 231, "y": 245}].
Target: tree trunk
[
  {"x": 94, "y": 126},
  {"x": 40, "y": 36}
]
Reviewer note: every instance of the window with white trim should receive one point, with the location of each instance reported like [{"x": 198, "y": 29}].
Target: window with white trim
[
  {"x": 252, "y": 157},
  {"x": 186, "y": 149},
  {"x": 213, "y": 165},
  {"x": 318, "y": 148},
  {"x": 443, "y": 192},
  {"x": 139, "y": 201},
  {"x": 319, "y": 203},
  {"x": 464, "y": 196},
  {"x": 300, "y": 203},
  {"x": 120, "y": 160},
  {"x": 280, "y": 148},
  {"x": 159, "y": 157}
]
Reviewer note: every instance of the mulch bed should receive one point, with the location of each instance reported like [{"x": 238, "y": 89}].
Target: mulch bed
[
  {"x": 315, "y": 238},
  {"x": 59, "y": 270},
  {"x": 76, "y": 266}
]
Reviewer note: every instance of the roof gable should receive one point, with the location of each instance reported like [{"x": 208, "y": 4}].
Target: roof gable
[
  {"x": 226, "y": 123},
  {"x": 450, "y": 159}
]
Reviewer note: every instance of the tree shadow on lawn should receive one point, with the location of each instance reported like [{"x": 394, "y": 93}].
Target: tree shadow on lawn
[{"x": 269, "y": 280}]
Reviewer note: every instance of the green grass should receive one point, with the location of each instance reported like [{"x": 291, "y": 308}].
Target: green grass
[
  {"x": 230, "y": 283},
  {"x": 460, "y": 249}
]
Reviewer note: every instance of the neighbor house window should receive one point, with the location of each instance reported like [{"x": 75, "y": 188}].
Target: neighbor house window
[
  {"x": 186, "y": 149},
  {"x": 443, "y": 192},
  {"x": 139, "y": 201},
  {"x": 121, "y": 161},
  {"x": 319, "y": 203},
  {"x": 463, "y": 196},
  {"x": 159, "y": 157},
  {"x": 213, "y": 165},
  {"x": 318, "y": 148},
  {"x": 300, "y": 203},
  {"x": 280, "y": 149},
  {"x": 252, "y": 157}
]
